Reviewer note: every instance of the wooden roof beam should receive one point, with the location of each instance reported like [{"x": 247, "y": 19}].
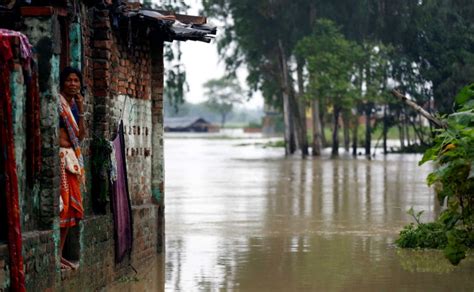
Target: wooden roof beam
[{"x": 186, "y": 18}]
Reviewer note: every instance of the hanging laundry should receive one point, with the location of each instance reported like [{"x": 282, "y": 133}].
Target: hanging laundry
[
  {"x": 7, "y": 150},
  {"x": 122, "y": 209},
  {"x": 33, "y": 106}
]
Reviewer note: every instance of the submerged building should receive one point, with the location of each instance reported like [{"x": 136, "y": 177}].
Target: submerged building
[
  {"x": 189, "y": 124},
  {"x": 118, "y": 46}
]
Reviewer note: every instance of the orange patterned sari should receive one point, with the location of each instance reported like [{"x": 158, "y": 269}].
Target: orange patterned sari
[{"x": 72, "y": 171}]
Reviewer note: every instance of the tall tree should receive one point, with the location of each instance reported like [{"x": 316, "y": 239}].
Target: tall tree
[
  {"x": 331, "y": 62},
  {"x": 262, "y": 35},
  {"x": 425, "y": 47},
  {"x": 175, "y": 73},
  {"x": 442, "y": 41},
  {"x": 222, "y": 95}
]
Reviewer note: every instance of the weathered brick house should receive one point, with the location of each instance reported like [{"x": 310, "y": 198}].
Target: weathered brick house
[{"x": 119, "y": 48}]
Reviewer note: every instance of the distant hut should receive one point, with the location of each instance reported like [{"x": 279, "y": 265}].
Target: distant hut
[{"x": 189, "y": 124}]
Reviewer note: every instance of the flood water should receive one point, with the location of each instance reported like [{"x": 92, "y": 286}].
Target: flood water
[{"x": 240, "y": 217}]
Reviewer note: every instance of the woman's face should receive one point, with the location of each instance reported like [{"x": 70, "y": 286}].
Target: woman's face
[{"x": 72, "y": 85}]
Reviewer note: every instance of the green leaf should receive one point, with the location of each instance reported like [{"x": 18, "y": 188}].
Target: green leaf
[
  {"x": 463, "y": 119},
  {"x": 467, "y": 93},
  {"x": 430, "y": 154},
  {"x": 442, "y": 194},
  {"x": 469, "y": 105},
  {"x": 432, "y": 178},
  {"x": 455, "y": 251}
]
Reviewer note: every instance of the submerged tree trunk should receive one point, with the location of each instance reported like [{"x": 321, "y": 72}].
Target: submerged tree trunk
[
  {"x": 357, "y": 112},
  {"x": 324, "y": 140},
  {"x": 385, "y": 129},
  {"x": 317, "y": 142},
  {"x": 406, "y": 135},
  {"x": 293, "y": 135},
  {"x": 368, "y": 110},
  {"x": 407, "y": 129},
  {"x": 401, "y": 133},
  {"x": 335, "y": 132},
  {"x": 346, "y": 123},
  {"x": 300, "y": 134},
  {"x": 355, "y": 133},
  {"x": 292, "y": 140},
  {"x": 302, "y": 108},
  {"x": 368, "y": 128},
  {"x": 315, "y": 103},
  {"x": 223, "y": 119},
  {"x": 286, "y": 102}
]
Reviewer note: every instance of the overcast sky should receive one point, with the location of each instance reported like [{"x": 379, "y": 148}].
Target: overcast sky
[{"x": 202, "y": 63}]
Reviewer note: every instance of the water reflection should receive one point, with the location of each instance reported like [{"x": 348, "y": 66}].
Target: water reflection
[{"x": 247, "y": 219}]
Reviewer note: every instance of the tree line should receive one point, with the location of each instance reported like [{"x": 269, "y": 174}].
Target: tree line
[{"x": 341, "y": 58}]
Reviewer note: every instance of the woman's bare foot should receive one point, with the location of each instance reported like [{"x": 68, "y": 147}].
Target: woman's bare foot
[
  {"x": 65, "y": 267},
  {"x": 69, "y": 264}
]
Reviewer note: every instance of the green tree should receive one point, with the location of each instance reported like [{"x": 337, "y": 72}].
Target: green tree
[
  {"x": 331, "y": 61},
  {"x": 376, "y": 74},
  {"x": 423, "y": 47},
  {"x": 262, "y": 36},
  {"x": 440, "y": 40},
  {"x": 453, "y": 153},
  {"x": 175, "y": 71},
  {"x": 175, "y": 75},
  {"x": 222, "y": 94}
]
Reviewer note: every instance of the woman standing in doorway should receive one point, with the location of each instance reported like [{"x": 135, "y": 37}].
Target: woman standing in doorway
[{"x": 71, "y": 133}]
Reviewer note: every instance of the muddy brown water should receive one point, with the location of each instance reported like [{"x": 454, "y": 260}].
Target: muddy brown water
[{"x": 240, "y": 217}]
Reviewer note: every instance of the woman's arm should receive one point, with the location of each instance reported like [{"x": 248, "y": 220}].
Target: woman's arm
[{"x": 80, "y": 106}]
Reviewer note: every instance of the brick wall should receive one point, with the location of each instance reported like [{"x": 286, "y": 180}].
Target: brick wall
[
  {"x": 118, "y": 69},
  {"x": 40, "y": 258},
  {"x": 138, "y": 127},
  {"x": 97, "y": 267},
  {"x": 157, "y": 184},
  {"x": 39, "y": 250},
  {"x": 123, "y": 77}
]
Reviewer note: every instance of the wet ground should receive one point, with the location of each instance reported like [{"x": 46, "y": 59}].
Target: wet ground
[{"x": 240, "y": 217}]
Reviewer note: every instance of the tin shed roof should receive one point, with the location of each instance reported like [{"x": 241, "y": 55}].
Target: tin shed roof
[
  {"x": 174, "y": 26},
  {"x": 184, "y": 122}
]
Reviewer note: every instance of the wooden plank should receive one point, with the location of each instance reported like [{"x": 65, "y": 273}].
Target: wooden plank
[
  {"x": 191, "y": 19},
  {"x": 42, "y": 11},
  {"x": 186, "y": 18},
  {"x": 36, "y": 10},
  {"x": 134, "y": 6}
]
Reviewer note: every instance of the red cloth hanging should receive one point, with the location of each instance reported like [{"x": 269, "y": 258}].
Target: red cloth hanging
[
  {"x": 33, "y": 133},
  {"x": 17, "y": 274}
]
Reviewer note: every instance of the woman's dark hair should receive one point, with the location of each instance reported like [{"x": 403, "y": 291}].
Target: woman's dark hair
[{"x": 65, "y": 74}]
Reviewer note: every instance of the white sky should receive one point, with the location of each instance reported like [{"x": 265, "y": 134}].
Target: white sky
[{"x": 202, "y": 63}]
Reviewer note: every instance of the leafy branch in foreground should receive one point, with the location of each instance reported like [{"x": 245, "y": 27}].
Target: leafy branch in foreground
[{"x": 453, "y": 155}]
